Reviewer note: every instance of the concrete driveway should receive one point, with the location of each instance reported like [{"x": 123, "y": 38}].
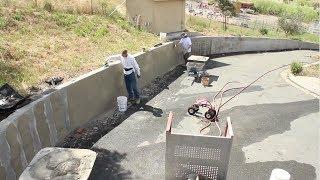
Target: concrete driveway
[{"x": 275, "y": 124}]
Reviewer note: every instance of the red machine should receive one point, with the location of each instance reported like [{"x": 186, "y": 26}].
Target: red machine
[
  {"x": 204, "y": 103},
  {"x": 212, "y": 114}
]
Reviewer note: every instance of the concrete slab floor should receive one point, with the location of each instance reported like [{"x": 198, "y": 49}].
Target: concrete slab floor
[{"x": 275, "y": 124}]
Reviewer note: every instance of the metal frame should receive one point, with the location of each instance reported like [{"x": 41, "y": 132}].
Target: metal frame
[{"x": 203, "y": 155}]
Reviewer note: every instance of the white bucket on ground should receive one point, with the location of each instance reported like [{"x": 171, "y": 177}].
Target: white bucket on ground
[
  {"x": 122, "y": 103},
  {"x": 163, "y": 36},
  {"x": 279, "y": 174}
]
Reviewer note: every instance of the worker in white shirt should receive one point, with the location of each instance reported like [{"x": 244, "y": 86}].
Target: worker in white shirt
[
  {"x": 130, "y": 70},
  {"x": 186, "y": 44}
]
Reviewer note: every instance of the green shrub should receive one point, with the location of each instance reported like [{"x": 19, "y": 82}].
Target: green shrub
[
  {"x": 18, "y": 16},
  {"x": 199, "y": 24},
  {"x": 64, "y": 19},
  {"x": 263, "y": 31},
  {"x": 48, "y": 7},
  {"x": 291, "y": 25},
  {"x": 3, "y": 23},
  {"x": 278, "y": 8},
  {"x": 101, "y": 32},
  {"x": 211, "y": 2},
  {"x": 305, "y": 2},
  {"x": 86, "y": 29},
  {"x": 296, "y": 68}
]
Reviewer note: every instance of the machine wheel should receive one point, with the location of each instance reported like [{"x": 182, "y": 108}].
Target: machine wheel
[
  {"x": 210, "y": 114},
  {"x": 196, "y": 107},
  {"x": 192, "y": 110}
]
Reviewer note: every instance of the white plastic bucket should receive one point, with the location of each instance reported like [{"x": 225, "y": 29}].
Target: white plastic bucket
[
  {"x": 279, "y": 174},
  {"x": 163, "y": 36},
  {"x": 122, "y": 103}
]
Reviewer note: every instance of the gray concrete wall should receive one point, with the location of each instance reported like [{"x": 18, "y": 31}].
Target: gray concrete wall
[
  {"x": 221, "y": 45},
  {"x": 49, "y": 119}
]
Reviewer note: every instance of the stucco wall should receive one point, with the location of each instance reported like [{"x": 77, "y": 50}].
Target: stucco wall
[
  {"x": 157, "y": 15},
  {"x": 49, "y": 119}
]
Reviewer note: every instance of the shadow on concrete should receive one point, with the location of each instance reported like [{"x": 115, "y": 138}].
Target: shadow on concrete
[
  {"x": 157, "y": 112},
  {"x": 213, "y": 78},
  {"x": 211, "y": 64},
  {"x": 107, "y": 166}
]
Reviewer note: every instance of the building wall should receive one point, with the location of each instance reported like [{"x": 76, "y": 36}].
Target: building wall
[
  {"x": 169, "y": 16},
  {"x": 49, "y": 119},
  {"x": 157, "y": 15},
  {"x": 142, "y": 9}
]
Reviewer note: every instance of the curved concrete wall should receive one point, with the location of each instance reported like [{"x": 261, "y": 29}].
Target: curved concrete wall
[
  {"x": 49, "y": 119},
  {"x": 223, "y": 45}
]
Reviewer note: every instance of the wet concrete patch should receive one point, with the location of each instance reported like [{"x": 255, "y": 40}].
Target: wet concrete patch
[{"x": 255, "y": 123}]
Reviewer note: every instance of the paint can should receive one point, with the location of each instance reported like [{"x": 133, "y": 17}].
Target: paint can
[
  {"x": 279, "y": 174},
  {"x": 122, "y": 103}
]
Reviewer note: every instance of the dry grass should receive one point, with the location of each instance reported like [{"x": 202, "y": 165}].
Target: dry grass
[
  {"x": 311, "y": 71},
  {"x": 215, "y": 28},
  {"x": 37, "y": 44}
]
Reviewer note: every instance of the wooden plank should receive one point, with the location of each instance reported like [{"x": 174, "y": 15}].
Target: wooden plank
[{"x": 198, "y": 58}]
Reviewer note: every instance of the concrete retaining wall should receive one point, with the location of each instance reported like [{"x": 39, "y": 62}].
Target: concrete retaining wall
[
  {"x": 223, "y": 45},
  {"x": 49, "y": 119}
]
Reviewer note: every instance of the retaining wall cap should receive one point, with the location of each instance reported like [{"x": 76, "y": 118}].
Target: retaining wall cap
[{"x": 60, "y": 163}]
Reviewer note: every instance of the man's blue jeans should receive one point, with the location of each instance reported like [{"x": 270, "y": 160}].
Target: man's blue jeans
[{"x": 131, "y": 85}]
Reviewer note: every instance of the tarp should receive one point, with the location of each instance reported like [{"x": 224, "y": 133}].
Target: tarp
[{"x": 9, "y": 98}]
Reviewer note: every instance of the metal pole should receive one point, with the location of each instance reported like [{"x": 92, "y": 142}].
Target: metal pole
[{"x": 117, "y": 8}]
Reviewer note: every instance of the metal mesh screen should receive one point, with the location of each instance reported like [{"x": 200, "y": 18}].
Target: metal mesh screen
[
  {"x": 207, "y": 156},
  {"x": 197, "y": 152},
  {"x": 183, "y": 170}
]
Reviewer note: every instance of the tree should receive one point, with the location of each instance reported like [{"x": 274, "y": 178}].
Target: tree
[{"x": 227, "y": 9}]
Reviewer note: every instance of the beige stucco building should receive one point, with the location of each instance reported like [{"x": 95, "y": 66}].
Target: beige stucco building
[{"x": 157, "y": 15}]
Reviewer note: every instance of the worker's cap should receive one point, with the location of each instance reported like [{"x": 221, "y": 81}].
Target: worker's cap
[{"x": 184, "y": 34}]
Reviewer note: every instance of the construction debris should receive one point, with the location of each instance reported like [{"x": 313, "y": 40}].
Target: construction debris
[
  {"x": 9, "y": 99},
  {"x": 54, "y": 81}
]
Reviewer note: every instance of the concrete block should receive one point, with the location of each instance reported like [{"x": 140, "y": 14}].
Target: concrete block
[
  {"x": 17, "y": 156},
  {"x": 60, "y": 163}
]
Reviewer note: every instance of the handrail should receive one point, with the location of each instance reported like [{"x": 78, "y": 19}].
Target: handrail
[{"x": 228, "y": 130}]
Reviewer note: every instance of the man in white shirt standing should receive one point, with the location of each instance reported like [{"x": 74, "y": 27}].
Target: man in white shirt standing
[
  {"x": 130, "y": 70},
  {"x": 186, "y": 44}
]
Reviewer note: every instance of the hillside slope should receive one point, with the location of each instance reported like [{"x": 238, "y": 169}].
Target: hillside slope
[{"x": 36, "y": 44}]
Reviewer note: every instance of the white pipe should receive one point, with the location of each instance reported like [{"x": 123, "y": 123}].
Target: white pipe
[{"x": 116, "y": 8}]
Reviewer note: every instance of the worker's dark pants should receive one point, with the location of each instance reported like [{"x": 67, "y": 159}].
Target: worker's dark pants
[
  {"x": 131, "y": 85},
  {"x": 186, "y": 56}
]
